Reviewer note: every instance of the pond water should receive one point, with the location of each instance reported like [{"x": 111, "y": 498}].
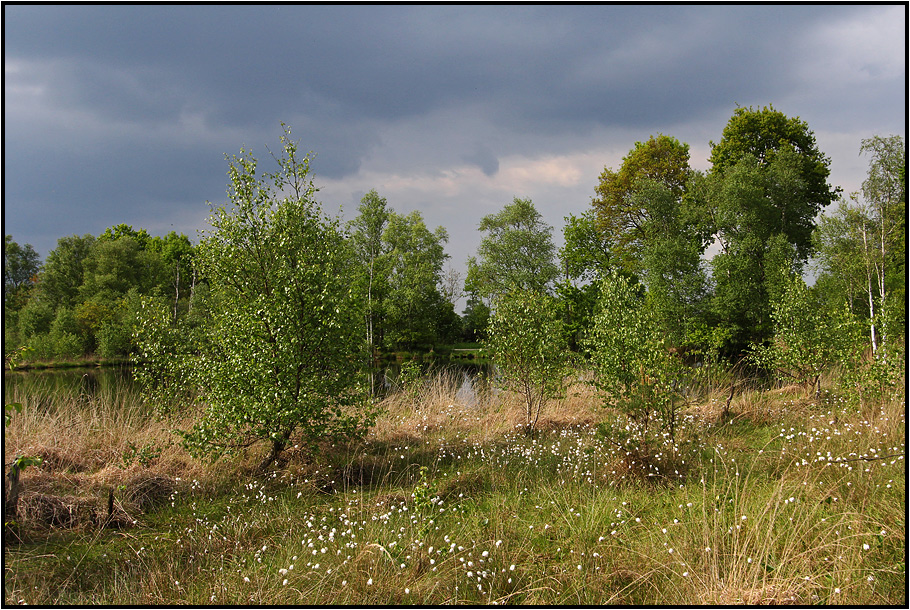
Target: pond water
[
  {"x": 85, "y": 382},
  {"x": 45, "y": 386},
  {"x": 388, "y": 379}
]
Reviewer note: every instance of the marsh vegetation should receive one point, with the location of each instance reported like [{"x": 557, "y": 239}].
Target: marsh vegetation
[{"x": 785, "y": 499}]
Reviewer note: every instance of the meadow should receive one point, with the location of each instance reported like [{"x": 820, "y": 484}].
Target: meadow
[{"x": 774, "y": 497}]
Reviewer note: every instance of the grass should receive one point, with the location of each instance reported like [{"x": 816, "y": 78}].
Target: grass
[{"x": 786, "y": 500}]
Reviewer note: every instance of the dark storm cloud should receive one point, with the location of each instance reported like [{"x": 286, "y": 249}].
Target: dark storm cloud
[
  {"x": 116, "y": 109},
  {"x": 247, "y": 64}
]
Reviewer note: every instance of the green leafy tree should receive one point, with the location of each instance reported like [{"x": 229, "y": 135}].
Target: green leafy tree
[
  {"x": 624, "y": 219},
  {"x": 670, "y": 263},
  {"x": 766, "y": 133},
  {"x": 862, "y": 245},
  {"x": 446, "y": 324},
  {"x": 414, "y": 259},
  {"x": 63, "y": 271},
  {"x": 767, "y": 179},
  {"x": 281, "y": 350},
  {"x": 630, "y": 357},
  {"x": 178, "y": 276},
  {"x": 366, "y": 235},
  {"x": 807, "y": 339},
  {"x": 475, "y": 319},
  {"x": 20, "y": 268},
  {"x": 517, "y": 251},
  {"x": 577, "y": 304},
  {"x": 114, "y": 266},
  {"x": 120, "y": 262},
  {"x": 401, "y": 262},
  {"x": 759, "y": 215},
  {"x": 585, "y": 254},
  {"x": 21, "y": 265},
  {"x": 527, "y": 345}
]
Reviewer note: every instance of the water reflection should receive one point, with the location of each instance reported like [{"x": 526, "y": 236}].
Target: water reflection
[
  {"x": 69, "y": 383},
  {"x": 48, "y": 386},
  {"x": 467, "y": 379},
  {"x": 466, "y": 393}
]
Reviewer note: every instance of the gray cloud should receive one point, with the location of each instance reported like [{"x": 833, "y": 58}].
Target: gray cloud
[
  {"x": 484, "y": 158},
  {"x": 123, "y": 113}
]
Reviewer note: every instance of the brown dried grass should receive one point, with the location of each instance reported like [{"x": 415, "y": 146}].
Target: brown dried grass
[{"x": 441, "y": 410}]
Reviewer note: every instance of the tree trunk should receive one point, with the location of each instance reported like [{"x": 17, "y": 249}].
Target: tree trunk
[
  {"x": 869, "y": 291},
  {"x": 11, "y": 501},
  {"x": 176, "y": 291},
  {"x": 278, "y": 445}
]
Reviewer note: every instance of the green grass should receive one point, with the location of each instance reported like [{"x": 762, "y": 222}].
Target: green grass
[{"x": 788, "y": 501}]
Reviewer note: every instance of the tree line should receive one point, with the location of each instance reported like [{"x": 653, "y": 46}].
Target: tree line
[{"x": 270, "y": 317}]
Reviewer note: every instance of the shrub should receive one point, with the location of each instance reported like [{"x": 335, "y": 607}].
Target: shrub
[{"x": 529, "y": 349}]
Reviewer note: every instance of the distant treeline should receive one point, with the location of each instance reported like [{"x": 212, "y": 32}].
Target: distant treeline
[{"x": 652, "y": 220}]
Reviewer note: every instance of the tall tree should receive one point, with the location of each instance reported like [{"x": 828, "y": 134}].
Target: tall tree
[
  {"x": 63, "y": 272},
  {"x": 113, "y": 266},
  {"x": 517, "y": 251},
  {"x": 759, "y": 214},
  {"x": 670, "y": 263},
  {"x": 414, "y": 260},
  {"x": 885, "y": 191},
  {"x": 765, "y": 133},
  {"x": 585, "y": 254},
  {"x": 584, "y": 257},
  {"x": 767, "y": 183},
  {"x": 475, "y": 319},
  {"x": 862, "y": 245},
  {"x": 176, "y": 252},
  {"x": 366, "y": 234}
]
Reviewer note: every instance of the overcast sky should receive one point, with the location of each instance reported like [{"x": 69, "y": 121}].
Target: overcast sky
[{"x": 123, "y": 114}]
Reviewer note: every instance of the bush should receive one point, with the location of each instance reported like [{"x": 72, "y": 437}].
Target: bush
[
  {"x": 281, "y": 350},
  {"x": 529, "y": 348},
  {"x": 632, "y": 362}
]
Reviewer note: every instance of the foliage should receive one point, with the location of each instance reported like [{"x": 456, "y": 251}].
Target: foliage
[
  {"x": 807, "y": 340},
  {"x": 764, "y": 135},
  {"x": 366, "y": 237},
  {"x": 862, "y": 245},
  {"x": 413, "y": 261},
  {"x": 517, "y": 251},
  {"x": 88, "y": 290},
  {"x": 400, "y": 262},
  {"x": 622, "y": 218},
  {"x": 585, "y": 254},
  {"x": 527, "y": 343},
  {"x": 670, "y": 261},
  {"x": 767, "y": 179},
  {"x": 116, "y": 333},
  {"x": 630, "y": 357},
  {"x": 475, "y": 320},
  {"x": 281, "y": 350},
  {"x": 63, "y": 273},
  {"x": 760, "y": 216},
  {"x": 577, "y": 305},
  {"x": 20, "y": 268}
]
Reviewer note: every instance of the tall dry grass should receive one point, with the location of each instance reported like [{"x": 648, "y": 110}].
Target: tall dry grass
[{"x": 786, "y": 500}]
